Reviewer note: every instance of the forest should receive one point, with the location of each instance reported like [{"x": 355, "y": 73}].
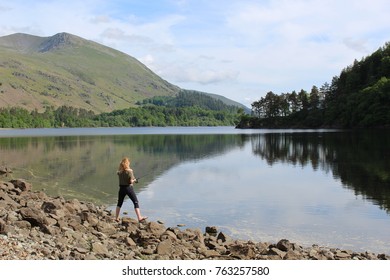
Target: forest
[
  {"x": 358, "y": 98},
  {"x": 186, "y": 109}
]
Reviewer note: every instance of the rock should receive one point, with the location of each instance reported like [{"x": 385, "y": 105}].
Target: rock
[
  {"x": 292, "y": 255},
  {"x": 7, "y": 202},
  {"x": 209, "y": 253},
  {"x": 106, "y": 228},
  {"x": 130, "y": 242},
  {"x": 284, "y": 245},
  {"x": 6, "y": 186},
  {"x": 81, "y": 250},
  {"x": 223, "y": 237},
  {"x": 100, "y": 249},
  {"x": 22, "y": 224},
  {"x": 370, "y": 256},
  {"x": 241, "y": 251},
  {"x": 169, "y": 234},
  {"x": 383, "y": 257},
  {"x": 21, "y": 185},
  {"x": 5, "y": 170},
  {"x": 35, "y": 217},
  {"x": 149, "y": 250},
  {"x": 199, "y": 235},
  {"x": 276, "y": 252},
  {"x": 342, "y": 255},
  {"x": 327, "y": 254},
  {"x": 165, "y": 247},
  {"x": 212, "y": 231},
  {"x": 36, "y": 226},
  {"x": 2, "y": 226},
  {"x": 89, "y": 217},
  {"x": 48, "y": 207},
  {"x": 155, "y": 228}
]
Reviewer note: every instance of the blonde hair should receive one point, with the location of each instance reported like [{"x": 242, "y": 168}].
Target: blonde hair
[{"x": 124, "y": 164}]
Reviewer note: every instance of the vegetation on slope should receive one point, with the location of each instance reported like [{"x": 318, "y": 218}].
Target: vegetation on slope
[
  {"x": 38, "y": 72},
  {"x": 187, "y": 109}
]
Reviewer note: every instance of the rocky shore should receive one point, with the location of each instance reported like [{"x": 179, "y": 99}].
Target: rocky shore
[{"x": 34, "y": 226}]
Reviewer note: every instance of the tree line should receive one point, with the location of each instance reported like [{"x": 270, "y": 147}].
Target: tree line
[
  {"x": 189, "y": 98},
  {"x": 358, "y": 97},
  {"x": 182, "y": 110}
]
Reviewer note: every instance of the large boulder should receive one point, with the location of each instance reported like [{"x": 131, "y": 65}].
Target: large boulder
[{"x": 34, "y": 216}]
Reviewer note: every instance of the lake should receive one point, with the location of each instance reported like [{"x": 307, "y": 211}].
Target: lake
[{"x": 325, "y": 187}]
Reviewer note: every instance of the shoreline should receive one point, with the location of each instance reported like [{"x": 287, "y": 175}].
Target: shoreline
[{"x": 35, "y": 226}]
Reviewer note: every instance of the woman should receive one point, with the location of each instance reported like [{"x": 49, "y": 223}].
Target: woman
[{"x": 126, "y": 180}]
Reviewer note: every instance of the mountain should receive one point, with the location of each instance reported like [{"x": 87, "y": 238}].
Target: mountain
[{"x": 64, "y": 69}]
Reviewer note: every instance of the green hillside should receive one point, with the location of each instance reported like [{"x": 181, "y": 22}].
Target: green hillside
[{"x": 39, "y": 72}]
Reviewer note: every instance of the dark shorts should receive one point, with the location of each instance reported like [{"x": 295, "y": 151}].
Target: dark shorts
[{"x": 127, "y": 190}]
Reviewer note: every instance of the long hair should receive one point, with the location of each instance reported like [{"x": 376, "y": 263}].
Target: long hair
[{"x": 124, "y": 164}]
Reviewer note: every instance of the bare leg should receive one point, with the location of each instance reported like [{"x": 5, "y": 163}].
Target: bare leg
[
  {"x": 139, "y": 216},
  {"x": 117, "y": 211}
]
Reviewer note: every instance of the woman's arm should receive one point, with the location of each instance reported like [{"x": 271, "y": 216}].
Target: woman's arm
[{"x": 132, "y": 179}]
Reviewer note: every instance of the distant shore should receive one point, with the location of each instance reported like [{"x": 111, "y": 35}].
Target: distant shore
[{"x": 36, "y": 226}]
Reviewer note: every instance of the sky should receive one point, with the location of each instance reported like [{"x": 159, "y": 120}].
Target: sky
[{"x": 240, "y": 49}]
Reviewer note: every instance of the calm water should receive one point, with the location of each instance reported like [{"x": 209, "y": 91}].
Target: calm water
[{"x": 330, "y": 188}]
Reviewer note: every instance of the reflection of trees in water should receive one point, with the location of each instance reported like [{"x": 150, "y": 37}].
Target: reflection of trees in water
[
  {"x": 86, "y": 165},
  {"x": 361, "y": 160},
  {"x": 187, "y": 147}
]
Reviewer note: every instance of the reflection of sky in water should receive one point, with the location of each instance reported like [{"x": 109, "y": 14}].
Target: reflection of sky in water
[{"x": 243, "y": 196}]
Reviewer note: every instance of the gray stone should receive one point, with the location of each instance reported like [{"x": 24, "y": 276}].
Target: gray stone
[
  {"x": 276, "y": 251},
  {"x": 169, "y": 234},
  {"x": 284, "y": 245},
  {"x": 130, "y": 242},
  {"x": 292, "y": 255},
  {"x": 155, "y": 228},
  {"x": 164, "y": 247},
  {"x": 100, "y": 249}
]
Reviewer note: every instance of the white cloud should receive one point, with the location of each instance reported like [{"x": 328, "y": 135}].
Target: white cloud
[
  {"x": 240, "y": 49},
  {"x": 204, "y": 77},
  {"x": 101, "y": 19},
  {"x": 356, "y": 44},
  {"x": 189, "y": 72}
]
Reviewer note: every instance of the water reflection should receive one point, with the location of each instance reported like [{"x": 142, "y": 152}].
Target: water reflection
[
  {"x": 322, "y": 187},
  {"x": 360, "y": 159},
  {"x": 84, "y": 166}
]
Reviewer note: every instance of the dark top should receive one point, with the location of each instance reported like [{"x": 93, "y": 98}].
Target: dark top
[{"x": 125, "y": 177}]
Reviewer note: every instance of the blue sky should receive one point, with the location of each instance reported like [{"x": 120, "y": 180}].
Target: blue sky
[{"x": 240, "y": 49}]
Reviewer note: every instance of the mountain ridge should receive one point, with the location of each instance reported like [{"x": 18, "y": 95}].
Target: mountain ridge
[{"x": 65, "y": 69}]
